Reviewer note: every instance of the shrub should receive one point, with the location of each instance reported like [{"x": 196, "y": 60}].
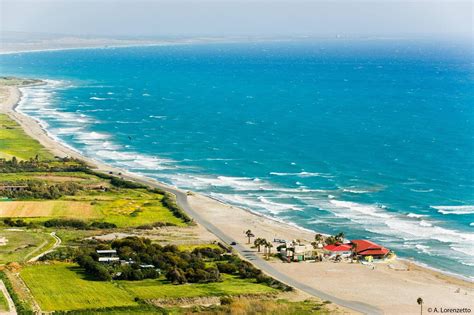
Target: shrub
[
  {"x": 103, "y": 225},
  {"x": 62, "y": 223},
  {"x": 169, "y": 201},
  {"x": 226, "y": 300}
]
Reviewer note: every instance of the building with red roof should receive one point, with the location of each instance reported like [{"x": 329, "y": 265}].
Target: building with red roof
[
  {"x": 338, "y": 249},
  {"x": 367, "y": 248}
]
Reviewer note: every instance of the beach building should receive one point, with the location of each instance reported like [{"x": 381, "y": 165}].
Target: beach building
[
  {"x": 343, "y": 250},
  {"x": 366, "y": 248},
  {"x": 296, "y": 252}
]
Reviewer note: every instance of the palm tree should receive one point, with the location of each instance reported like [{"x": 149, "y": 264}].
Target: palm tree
[
  {"x": 258, "y": 243},
  {"x": 420, "y": 302},
  {"x": 263, "y": 242},
  {"x": 269, "y": 246},
  {"x": 340, "y": 237},
  {"x": 353, "y": 250},
  {"x": 318, "y": 238},
  {"x": 249, "y": 235}
]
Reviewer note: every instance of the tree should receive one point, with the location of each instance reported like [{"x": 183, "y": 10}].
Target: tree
[
  {"x": 249, "y": 235},
  {"x": 258, "y": 243},
  {"x": 318, "y": 238},
  {"x": 353, "y": 250},
  {"x": 264, "y": 242},
  {"x": 269, "y": 246},
  {"x": 420, "y": 302},
  {"x": 340, "y": 237},
  {"x": 176, "y": 276}
]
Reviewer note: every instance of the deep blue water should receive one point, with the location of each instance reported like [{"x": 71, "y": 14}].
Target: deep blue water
[{"x": 373, "y": 138}]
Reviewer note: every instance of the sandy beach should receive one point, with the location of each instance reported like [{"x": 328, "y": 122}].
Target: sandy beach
[{"x": 391, "y": 288}]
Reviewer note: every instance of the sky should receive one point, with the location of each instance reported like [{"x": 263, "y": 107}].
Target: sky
[{"x": 328, "y": 18}]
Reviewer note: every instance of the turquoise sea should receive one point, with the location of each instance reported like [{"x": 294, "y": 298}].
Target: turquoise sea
[{"x": 370, "y": 137}]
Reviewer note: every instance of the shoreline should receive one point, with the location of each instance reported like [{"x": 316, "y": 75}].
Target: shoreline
[
  {"x": 101, "y": 166},
  {"x": 210, "y": 209}
]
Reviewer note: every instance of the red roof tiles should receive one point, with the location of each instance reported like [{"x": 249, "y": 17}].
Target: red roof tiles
[{"x": 368, "y": 248}]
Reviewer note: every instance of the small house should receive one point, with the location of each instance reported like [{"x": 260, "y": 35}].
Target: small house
[
  {"x": 338, "y": 249},
  {"x": 297, "y": 252},
  {"x": 107, "y": 255}
]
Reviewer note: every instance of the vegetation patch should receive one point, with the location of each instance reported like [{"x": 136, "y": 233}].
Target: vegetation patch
[
  {"x": 15, "y": 142},
  {"x": 3, "y": 303},
  {"x": 46, "y": 283},
  {"x": 21, "y": 244},
  {"x": 22, "y": 307},
  {"x": 48, "y": 286},
  {"x": 47, "y": 208}
]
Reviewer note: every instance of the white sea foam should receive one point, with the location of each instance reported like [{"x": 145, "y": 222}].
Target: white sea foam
[
  {"x": 95, "y": 98},
  {"x": 415, "y": 215},
  {"x": 423, "y": 248},
  {"x": 468, "y": 209},
  {"x": 356, "y": 191},
  {"x": 302, "y": 174},
  {"x": 422, "y": 190},
  {"x": 377, "y": 220},
  {"x": 134, "y": 160}
]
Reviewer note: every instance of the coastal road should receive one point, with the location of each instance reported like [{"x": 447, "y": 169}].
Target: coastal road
[
  {"x": 182, "y": 201},
  {"x": 251, "y": 256}
]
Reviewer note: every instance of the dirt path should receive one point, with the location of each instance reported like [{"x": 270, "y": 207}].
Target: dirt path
[{"x": 55, "y": 245}]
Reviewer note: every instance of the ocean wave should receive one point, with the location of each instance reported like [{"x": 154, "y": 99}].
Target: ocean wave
[
  {"x": 423, "y": 248},
  {"x": 422, "y": 190},
  {"x": 375, "y": 219},
  {"x": 468, "y": 209},
  {"x": 303, "y": 174},
  {"x": 356, "y": 191},
  {"x": 415, "y": 215},
  {"x": 95, "y": 98},
  {"x": 134, "y": 160}
]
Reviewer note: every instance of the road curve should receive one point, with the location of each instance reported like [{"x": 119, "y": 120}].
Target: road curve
[
  {"x": 56, "y": 244},
  {"x": 182, "y": 201}
]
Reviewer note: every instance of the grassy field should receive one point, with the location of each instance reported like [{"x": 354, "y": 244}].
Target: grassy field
[
  {"x": 47, "y": 284},
  {"x": 190, "y": 248},
  {"x": 47, "y": 208},
  {"x": 154, "y": 289},
  {"x": 129, "y": 207},
  {"x": 63, "y": 287},
  {"x": 15, "y": 142},
  {"x": 123, "y": 207},
  {"x": 21, "y": 245},
  {"x": 55, "y": 177},
  {"x": 3, "y": 303}
]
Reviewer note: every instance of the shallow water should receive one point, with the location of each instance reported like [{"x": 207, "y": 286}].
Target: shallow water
[{"x": 373, "y": 138}]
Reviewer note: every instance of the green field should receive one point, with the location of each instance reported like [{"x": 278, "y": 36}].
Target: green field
[
  {"x": 154, "y": 289},
  {"x": 3, "y": 303},
  {"x": 63, "y": 287},
  {"x": 15, "y": 142},
  {"x": 129, "y": 207},
  {"x": 122, "y": 206},
  {"x": 22, "y": 245}
]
